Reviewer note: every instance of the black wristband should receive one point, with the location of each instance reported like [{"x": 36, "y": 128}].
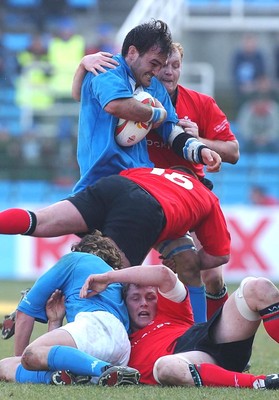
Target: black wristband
[{"x": 179, "y": 143}]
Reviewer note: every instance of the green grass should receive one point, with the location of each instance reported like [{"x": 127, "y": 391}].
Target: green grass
[{"x": 265, "y": 360}]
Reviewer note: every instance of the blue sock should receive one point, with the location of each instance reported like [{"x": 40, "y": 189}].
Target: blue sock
[
  {"x": 25, "y": 376},
  {"x": 76, "y": 361},
  {"x": 198, "y": 301}
]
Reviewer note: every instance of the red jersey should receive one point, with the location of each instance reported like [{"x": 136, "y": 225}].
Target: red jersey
[
  {"x": 202, "y": 110},
  {"x": 188, "y": 206},
  {"x": 158, "y": 338}
]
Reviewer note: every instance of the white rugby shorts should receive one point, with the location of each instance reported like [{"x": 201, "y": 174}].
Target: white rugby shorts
[{"x": 101, "y": 335}]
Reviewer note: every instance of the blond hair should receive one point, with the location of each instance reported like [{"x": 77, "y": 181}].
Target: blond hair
[
  {"x": 101, "y": 246},
  {"x": 176, "y": 46}
]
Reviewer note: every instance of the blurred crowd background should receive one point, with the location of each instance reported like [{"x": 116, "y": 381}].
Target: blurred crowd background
[{"x": 231, "y": 52}]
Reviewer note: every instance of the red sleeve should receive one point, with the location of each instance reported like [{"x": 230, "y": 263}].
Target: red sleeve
[
  {"x": 213, "y": 232},
  {"x": 176, "y": 311},
  {"x": 203, "y": 109}
]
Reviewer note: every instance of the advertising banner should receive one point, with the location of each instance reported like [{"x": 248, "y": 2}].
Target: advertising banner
[{"x": 254, "y": 232}]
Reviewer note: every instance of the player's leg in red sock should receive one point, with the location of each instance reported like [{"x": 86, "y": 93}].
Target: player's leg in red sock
[
  {"x": 17, "y": 221},
  {"x": 215, "y": 301},
  {"x": 213, "y": 375}
]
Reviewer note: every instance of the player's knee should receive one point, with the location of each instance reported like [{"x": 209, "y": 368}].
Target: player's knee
[
  {"x": 161, "y": 371},
  {"x": 28, "y": 358},
  {"x": 255, "y": 294},
  {"x": 261, "y": 289},
  {"x": 171, "y": 370}
]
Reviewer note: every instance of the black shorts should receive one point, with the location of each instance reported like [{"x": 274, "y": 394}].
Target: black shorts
[
  {"x": 123, "y": 211},
  {"x": 232, "y": 356}
]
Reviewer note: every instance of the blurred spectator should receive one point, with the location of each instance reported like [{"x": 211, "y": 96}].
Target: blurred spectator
[
  {"x": 10, "y": 155},
  {"x": 8, "y": 66},
  {"x": 104, "y": 40},
  {"x": 259, "y": 196},
  {"x": 33, "y": 82},
  {"x": 276, "y": 61},
  {"x": 30, "y": 148},
  {"x": 258, "y": 120},
  {"x": 248, "y": 64},
  {"x": 49, "y": 13},
  {"x": 65, "y": 50},
  {"x": 5, "y": 142}
]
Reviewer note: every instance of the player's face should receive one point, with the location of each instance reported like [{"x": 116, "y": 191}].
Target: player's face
[
  {"x": 170, "y": 72},
  {"x": 146, "y": 66},
  {"x": 142, "y": 305}
]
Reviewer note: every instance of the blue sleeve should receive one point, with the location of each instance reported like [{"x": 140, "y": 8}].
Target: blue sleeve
[
  {"x": 110, "y": 86},
  {"x": 34, "y": 303}
]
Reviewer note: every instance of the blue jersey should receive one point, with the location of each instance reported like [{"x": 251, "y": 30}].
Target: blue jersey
[
  {"x": 98, "y": 154},
  {"x": 69, "y": 275}
]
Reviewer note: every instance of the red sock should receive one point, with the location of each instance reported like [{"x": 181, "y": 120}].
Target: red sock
[
  {"x": 213, "y": 375},
  {"x": 213, "y": 303},
  {"x": 270, "y": 318},
  {"x": 15, "y": 221}
]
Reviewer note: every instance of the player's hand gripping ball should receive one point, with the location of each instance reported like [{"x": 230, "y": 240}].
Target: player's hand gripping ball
[{"x": 128, "y": 133}]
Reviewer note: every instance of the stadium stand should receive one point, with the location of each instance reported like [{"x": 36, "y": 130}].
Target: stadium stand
[
  {"x": 16, "y": 41},
  {"x": 20, "y": 182},
  {"x": 82, "y": 3},
  {"x": 23, "y": 3}
]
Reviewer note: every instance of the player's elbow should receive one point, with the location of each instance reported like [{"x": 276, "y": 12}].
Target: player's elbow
[
  {"x": 235, "y": 157},
  {"x": 224, "y": 259},
  {"x": 234, "y": 154},
  {"x": 209, "y": 261},
  {"x": 113, "y": 108}
]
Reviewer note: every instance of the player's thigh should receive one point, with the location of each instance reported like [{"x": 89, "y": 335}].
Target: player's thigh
[
  {"x": 135, "y": 224},
  {"x": 56, "y": 337},
  {"x": 237, "y": 322},
  {"x": 194, "y": 357}
]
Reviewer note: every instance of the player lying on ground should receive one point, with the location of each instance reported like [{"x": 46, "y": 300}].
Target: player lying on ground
[
  {"x": 168, "y": 349},
  {"x": 95, "y": 337}
]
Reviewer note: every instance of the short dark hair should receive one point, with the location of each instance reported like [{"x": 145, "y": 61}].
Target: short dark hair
[
  {"x": 101, "y": 246},
  {"x": 148, "y": 35}
]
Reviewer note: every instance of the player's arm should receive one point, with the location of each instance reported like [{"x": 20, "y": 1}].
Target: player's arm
[
  {"x": 23, "y": 330},
  {"x": 94, "y": 63},
  {"x": 208, "y": 261},
  {"x": 214, "y": 250},
  {"x": 228, "y": 150},
  {"x": 193, "y": 150},
  {"x": 134, "y": 110},
  {"x": 154, "y": 275}
]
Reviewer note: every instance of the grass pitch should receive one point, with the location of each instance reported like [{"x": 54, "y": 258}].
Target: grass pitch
[{"x": 265, "y": 359}]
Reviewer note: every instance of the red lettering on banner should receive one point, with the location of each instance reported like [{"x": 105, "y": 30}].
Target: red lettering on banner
[
  {"x": 244, "y": 250},
  {"x": 53, "y": 248}
]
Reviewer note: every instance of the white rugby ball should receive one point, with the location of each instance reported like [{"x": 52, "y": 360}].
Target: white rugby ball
[{"x": 128, "y": 133}]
